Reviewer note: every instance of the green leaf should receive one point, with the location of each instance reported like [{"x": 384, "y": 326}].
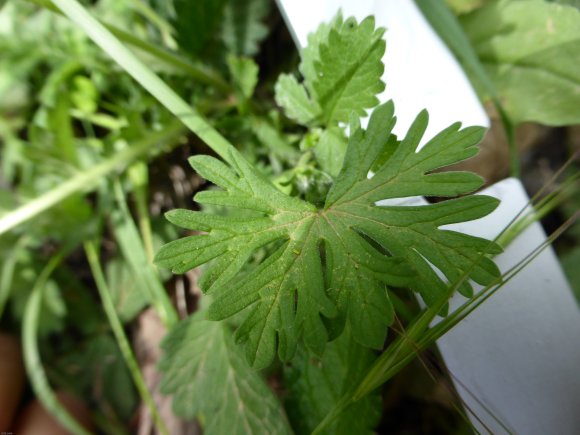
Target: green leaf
[
  {"x": 243, "y": 25},
  {"x": 126, "y": 291},
  {"x": 342, "y": 69},
  {"x": 314, "y": 386},
  {"x": 531, "y": 50},
  {"x": 197, "y": 23},
  {"x": 209, "y": 379},
  {"x": 244, "y": 72},
  {"x": 292, "y": 97},
  {"x": 330, "y": 150},
  {"x": 98, "y": 370},
  {"x": 334, "y": 262}
]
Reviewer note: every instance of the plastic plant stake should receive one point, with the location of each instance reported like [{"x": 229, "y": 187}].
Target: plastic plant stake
[{"x": 516, "y": 358}]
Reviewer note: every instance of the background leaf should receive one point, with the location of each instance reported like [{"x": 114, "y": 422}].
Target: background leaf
[
  {"x": 315, "y": 385},
  {"x": 209, "y": 379},
  {"x": 243, "y": 25},
  {"x": 196, "y": 23},
  {"x": 531, "y": 50}
]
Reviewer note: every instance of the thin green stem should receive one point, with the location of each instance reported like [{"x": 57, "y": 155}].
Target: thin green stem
[
  {"x": 139, "y": 176},
  {"x": 155, "y": 19},
  {"x": 122, "y": 341},
  {"x": 32, "y": 362},
  {"x": 541, "y": 209},
  {"x": 86, "y": 181},
  {"x": 146, "y": 77}
]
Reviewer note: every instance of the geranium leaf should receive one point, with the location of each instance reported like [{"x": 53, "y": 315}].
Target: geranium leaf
[{"x": 332, "y": 265}]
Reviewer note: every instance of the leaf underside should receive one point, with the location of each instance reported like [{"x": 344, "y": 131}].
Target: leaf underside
[{"x": 333, "y": 265}]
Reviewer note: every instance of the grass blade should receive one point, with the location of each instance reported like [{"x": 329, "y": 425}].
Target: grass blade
[{"x": 134, "y": 252}]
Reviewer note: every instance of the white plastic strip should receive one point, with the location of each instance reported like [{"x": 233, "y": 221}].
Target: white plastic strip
[{"x": 516, "y": 358}]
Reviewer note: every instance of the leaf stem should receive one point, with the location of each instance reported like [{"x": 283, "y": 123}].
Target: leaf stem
[
  {"x": 139, "y": 176},
  {"x": 89, "y": 179},
  {"x": 122, "y": 341},
  {"x": 32, "y": 362}
]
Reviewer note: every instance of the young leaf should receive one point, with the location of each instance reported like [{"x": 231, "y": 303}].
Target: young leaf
[
  {"x": 314, "y": 386},
  {"x": 330, "y": 150},
  {"x": 334, "y": 262},
  {"x": 335, "y": 84},
  {"x": 292, "y": 96},
  {"x": 209, "y": 378}
]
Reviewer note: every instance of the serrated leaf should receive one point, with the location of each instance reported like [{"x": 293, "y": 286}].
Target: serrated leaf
[
  {"x": 530, "y": 49},
  {"x": 315, "y": 385},
  {"x": 342, "y": 69},
  {"x": 349, "y": 70},
  {"x": 209, "y": 379},
  {"x": 243, "y": 27},
  {"x": 292, "y": 97},
  {"x": 331, "y": 264}
]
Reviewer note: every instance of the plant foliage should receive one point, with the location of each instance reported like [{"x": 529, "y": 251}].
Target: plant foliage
[
  {"x": 201, "y": 356},
  {"x": 334, "y": 262},
  {"x": 336, "y": 85},
  {"x": 315, "y": 385},
  {"x": 530, "y": 49}
]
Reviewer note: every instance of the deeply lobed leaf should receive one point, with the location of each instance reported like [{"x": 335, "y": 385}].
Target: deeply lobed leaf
[{"x": 332, "y": 266}]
